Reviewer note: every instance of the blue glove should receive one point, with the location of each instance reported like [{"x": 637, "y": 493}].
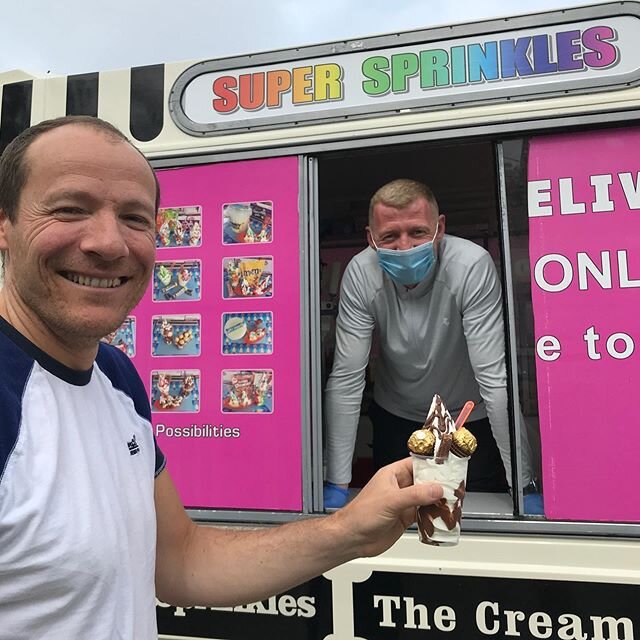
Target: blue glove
[
  {"x": 533, "y": 504},
  {"x": 334, "y": 496}
]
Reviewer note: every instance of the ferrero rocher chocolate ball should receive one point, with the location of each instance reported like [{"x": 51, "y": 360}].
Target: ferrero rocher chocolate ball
[
  {"x": 422, "y": 442},
  {"x": 464, "y": 443}
]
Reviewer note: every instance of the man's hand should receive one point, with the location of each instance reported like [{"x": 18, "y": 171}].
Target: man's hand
[
  {"x": 384, "y": 508},
  {"x": 533, "y": 504},
  {"x": 334, "y": 496}
]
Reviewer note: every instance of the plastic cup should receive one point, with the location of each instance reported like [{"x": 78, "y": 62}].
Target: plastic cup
[
  {"x": 439, "y": 523},
  {"x": 239, "y": 218}
]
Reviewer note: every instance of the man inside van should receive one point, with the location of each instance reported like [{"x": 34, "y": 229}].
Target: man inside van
[{"x": 436, "y": 304}]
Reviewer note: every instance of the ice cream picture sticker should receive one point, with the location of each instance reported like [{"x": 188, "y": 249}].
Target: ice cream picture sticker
[
  {"x": 247, "y": 391},
  {"x": 176, "y": 336},
  {"x": 247, "y": 333},
  {"x": 248, "y": 277},
  {"x": 176, "y": 281},
  {"x": 175, "y": 390},
  {"x": 179, "y": 227},
  {"x": 440, "y": 451},
  {"x": 247, "y": 222}
]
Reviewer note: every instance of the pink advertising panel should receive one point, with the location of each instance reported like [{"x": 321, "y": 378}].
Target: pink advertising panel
[
  {"x": 584, "y": 223},
  {"x": 217, "y": 336}
]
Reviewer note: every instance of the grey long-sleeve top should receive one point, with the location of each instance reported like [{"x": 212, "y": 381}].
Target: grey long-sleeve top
[{"x": 445, "y": 336}]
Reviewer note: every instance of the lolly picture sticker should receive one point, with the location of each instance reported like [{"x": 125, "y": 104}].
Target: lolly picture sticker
[
  {"x": 248, "y": 277},
  {"x": 124, "y": 337},
  {"x": 247, "y": 222},
  {"x": 247, "y": 391},
  {"x": 176, "y": 336},
  {"x": 179, "y": 227},
  {"x": 247, "y": 333},
  {"x": 175, "y": 391},
  {"x": 177, "y": 280}
]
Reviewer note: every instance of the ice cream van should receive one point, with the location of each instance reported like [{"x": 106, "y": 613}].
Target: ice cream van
[{"x": 527, "y": 128}]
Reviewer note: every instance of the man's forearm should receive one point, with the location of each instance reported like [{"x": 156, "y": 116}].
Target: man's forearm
[
  {"x": 254, "y": 564},
  {"x": 342, "y": 401},
  {"x": 342, "y": 426},
  {"x": 496, "y": 402},
  {"x": 216, "y": 566}
]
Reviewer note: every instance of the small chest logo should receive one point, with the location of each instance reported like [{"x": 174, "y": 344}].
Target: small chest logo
[{"x": 134, "y": 447}]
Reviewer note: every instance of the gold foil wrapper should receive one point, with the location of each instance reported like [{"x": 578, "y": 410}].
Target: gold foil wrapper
[
  {"x": 464, "y": 442},
  {"x": 422, "y": 442}
]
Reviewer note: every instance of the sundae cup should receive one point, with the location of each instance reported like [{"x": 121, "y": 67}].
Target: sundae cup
[
  {"x": 238, "y": 216},
  {"x": 164, "y": 276},
  {"x": 440, "y": 451}
]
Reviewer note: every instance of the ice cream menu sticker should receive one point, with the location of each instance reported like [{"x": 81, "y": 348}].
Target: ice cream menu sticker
[
  {"x": 584, "y": 229},
  {"x": 217, "y": 336}
]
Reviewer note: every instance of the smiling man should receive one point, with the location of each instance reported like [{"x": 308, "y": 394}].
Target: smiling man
[
  {"x": 91, "y": 526},
  {"x": 435, "y": 301},
  {"x": 81, "y": 238}
]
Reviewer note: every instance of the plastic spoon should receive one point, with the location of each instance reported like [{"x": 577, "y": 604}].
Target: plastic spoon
[{"x": 464, "y": 414}]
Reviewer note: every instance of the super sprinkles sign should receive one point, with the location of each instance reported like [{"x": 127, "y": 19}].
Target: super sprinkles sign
[{"x": 429, "y": 71}]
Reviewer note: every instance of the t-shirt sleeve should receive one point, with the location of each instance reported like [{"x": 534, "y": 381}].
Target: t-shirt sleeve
[{"x": 124, "y": 376}]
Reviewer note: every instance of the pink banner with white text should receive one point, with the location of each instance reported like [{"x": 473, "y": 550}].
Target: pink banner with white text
[
  {"x": 584, "y": 226},
  {"x": 217, "y": 336}
]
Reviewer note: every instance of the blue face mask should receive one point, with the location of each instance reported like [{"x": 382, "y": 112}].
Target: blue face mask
[{"x": 408, "y": 266}]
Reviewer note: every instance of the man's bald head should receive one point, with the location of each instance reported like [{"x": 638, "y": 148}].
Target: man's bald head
[{"x": 14, "y": 166}]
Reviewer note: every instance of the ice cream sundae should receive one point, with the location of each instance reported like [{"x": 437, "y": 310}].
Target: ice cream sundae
[
  {"x": 164, "y": 276},
  {"x": 440, "y": 451},
  {"x": 167, "y": 331},
  {"x": 183, "y": 338},
  {"x": 195, "y": 234}
]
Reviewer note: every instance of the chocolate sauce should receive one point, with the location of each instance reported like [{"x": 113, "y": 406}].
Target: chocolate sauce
[{"x": 451, "y": 517}]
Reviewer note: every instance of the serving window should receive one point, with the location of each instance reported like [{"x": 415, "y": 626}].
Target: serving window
[{"x": 465, "y": 180}]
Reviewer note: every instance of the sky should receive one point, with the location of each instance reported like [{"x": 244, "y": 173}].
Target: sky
[{"x": 79, "y": 36}]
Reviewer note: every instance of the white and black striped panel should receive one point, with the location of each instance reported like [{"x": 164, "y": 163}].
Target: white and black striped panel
[
  {"x": 82, "y": 94},
  {"x": 146, "y": 103},
  {"x": 146, "y": 106},
  {"x": 15, "y": 112}
]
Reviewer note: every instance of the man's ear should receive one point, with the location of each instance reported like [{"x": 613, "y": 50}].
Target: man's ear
[
  {"x": 369, "y": 237},
  {"x": 441, "y": 226},
  {"x": 4, "y": 225}
]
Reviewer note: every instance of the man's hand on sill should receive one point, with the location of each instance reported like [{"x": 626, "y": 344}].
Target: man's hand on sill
[{"x": 334, "y": 496}]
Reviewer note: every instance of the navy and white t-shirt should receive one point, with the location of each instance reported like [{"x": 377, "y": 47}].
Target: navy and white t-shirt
[{"x": 77, "y": 518}]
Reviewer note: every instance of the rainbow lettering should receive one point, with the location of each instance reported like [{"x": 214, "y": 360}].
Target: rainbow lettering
[
  {"x": 491, "y": 60},
  {"x": 257, "y": 90}
]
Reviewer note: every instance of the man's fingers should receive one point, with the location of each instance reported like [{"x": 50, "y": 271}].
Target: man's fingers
[
  {"x": 419, "y": 494},
  {"x": 403, "y": 471}
]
